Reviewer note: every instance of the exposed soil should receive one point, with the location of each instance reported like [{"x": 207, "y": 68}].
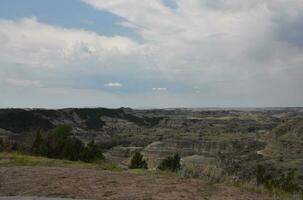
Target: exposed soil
[{"x": 98, "y": 184}]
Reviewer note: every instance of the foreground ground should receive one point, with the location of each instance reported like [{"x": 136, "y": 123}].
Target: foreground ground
[
  {"x": 101, "y": 184},
  {"x": 33, "y": 198}
]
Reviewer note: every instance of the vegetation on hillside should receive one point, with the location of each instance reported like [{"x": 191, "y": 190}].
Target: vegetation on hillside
[
  {"x": 285, "y": 182},
  {"x": 60, "y": 143},
  {"x": 1, "y": 144},
  {"x": 171, "y": 163},
  {"x": 8, "y": 159},
  {"x": 18, "y": 120}
]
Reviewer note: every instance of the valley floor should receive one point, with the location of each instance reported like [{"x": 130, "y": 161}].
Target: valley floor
[{"x": 101, "y": 184}]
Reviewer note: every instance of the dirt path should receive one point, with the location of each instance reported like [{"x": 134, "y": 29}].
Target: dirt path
[{"x": 97, "y": 184}]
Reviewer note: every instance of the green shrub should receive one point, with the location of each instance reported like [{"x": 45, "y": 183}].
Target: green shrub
[
  {"x": 57, "y": 139},
  {"x": 286, "y": 183},
  {"x": 261, "y": 174},
  {"x": 91, "y": 153},
  {"x": 138, "y": 162},
  {"x": 1, "y": 144},
  {"x": 73, "y": 149},
  {"x": 7, "y": 145},
  {"x": 37, "y": 147},
  {"x": 171, "y": 163}
]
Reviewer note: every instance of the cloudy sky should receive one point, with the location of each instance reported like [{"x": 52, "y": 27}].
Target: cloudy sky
[{"x": 151, "y": 53}]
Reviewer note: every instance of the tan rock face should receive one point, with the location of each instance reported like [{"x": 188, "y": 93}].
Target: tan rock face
[
  {"x": 157, "y": 151},
  {"x": 122, "y": 155},
  {"x": 116, "y": 123}
]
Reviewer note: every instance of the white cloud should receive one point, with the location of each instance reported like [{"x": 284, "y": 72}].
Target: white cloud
[
  {"x": 159, "y": 89},
  {"x": 114, "y": 85},
  {"x": 35, "y": 44},
  {"x": 24, "y": 83}
]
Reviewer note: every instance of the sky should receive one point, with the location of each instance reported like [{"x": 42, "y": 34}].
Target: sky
[{"x": 151, "y": 53}]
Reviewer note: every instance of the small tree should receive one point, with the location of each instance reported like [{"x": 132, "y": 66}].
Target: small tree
[
  {"x": 138, "y": 162},
  {"x": 72, "y": 149},
  {"x": 37, "y": 145},
  {"x": 91, "y": 152},
  {"x": 1, "y": 144},
  {"x": 171, "y": 163},
  {"x": 261, "y": 179},
  {"x": 57, "y": 139}
]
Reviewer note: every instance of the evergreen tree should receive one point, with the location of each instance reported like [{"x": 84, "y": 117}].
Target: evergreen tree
[
  {"x": 37, "y": 145},
  {"x": 57, "y": 140},
  {"x": 1, "y": 144},
  {"x": 73, "y": 148},
  {"x": 91, "y": 152},
  {"x": 171, "y": 163},
  {"x": 261, "y": 175},
  {"x": 138, "y": 162}
]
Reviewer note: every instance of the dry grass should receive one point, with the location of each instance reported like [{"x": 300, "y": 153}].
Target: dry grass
[
  {"x": 276, "y": 194},
  {"x": 18, "y": 159}
]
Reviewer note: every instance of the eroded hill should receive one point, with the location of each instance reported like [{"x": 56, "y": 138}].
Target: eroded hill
[{"x": 213, "y": 144}]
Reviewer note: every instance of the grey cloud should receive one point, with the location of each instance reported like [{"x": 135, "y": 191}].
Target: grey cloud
[{"x": 290, "y": 31}]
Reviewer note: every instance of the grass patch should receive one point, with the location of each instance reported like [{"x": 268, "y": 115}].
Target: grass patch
[
  {"x": 9, "y": 159},
  {"x": 219, "y": 118},
  {"x": 275, "y": 193},
  {"x": 155, "y": 173},
  {"x": 18, "y": 159},
  {"x": 106, "y": 165}
]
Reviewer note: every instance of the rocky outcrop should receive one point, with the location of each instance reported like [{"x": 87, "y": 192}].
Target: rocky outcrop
[
  {"x": 157, "y": 151},
  {"x": 121, "y": 155}
]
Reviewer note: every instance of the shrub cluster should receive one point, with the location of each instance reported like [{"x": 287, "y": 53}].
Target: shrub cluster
[
  {"x": 285, "y": 182},
  {"x": 60, "y": 143},
  {"x": 9, "y": 145},
  {"x": 171, "y": 163}
]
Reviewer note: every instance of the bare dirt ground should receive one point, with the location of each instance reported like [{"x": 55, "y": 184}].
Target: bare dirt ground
[{"x": 98, "y": 184}]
